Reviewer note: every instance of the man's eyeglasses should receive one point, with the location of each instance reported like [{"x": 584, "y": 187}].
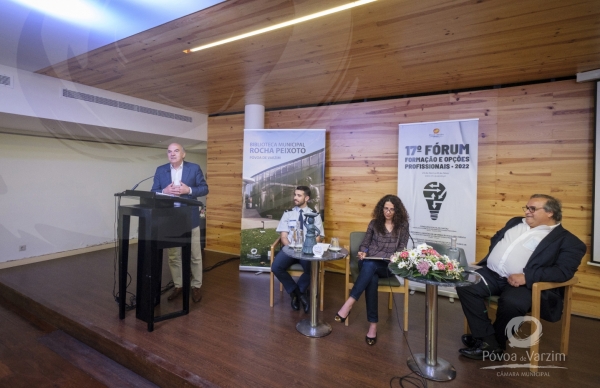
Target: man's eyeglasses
[
  {"x": 532, "y": 209},
  {"x": 388, "y": 210}
]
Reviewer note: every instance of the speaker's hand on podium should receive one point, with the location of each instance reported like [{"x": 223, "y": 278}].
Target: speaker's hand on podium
[
  {"x": 184, "y": 189},
  {"x": 177, "y": 189},
  {"x": 171, "y": 190}
]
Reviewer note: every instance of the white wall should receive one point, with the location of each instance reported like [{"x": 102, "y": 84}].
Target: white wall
[{"x": 57, "y": 195}]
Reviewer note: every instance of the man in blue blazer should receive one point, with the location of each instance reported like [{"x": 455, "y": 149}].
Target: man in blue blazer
[
  {"x": 183, "y": 179},
  {"x": 527, "y": 250}
]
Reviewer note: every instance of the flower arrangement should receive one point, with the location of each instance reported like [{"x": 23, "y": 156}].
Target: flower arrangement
[{"x": 425, "y": 262}]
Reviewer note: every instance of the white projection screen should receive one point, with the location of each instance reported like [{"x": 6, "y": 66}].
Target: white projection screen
[{"x": 596, "y": 222}]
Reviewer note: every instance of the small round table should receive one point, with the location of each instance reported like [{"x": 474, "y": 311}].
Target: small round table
[
  {"x": 429, "y": 365},
  {"x": 313, "y": 327}
]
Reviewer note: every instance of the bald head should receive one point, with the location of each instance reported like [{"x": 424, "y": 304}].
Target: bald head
[{"x": 175, "y": 153}]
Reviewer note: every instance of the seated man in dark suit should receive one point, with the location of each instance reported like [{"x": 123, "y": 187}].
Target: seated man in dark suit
[
  {"x": 527, "y": 250},
  {"x": 183, "y": 179}
]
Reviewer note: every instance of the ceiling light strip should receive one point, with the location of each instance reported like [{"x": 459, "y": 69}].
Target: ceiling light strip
[{"x": 281, "y": 25}]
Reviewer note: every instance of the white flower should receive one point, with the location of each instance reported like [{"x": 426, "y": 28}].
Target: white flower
[
  {"x": 395, "y": 257},
  {"x": 425, "y": 260},
  {"x": 422, "y": 247}
]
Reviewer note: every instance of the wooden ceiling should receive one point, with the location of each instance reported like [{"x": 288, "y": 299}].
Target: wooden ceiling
[{"x": 382, "y": 49}]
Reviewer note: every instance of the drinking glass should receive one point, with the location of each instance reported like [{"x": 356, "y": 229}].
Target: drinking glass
[
  {"x": 298, "y": 239},
  {"x": 291, "y": 238},
  {"x": 335, "y": 244}
]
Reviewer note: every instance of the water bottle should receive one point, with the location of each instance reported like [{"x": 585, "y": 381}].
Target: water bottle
[{"x": 453, "y": 253}]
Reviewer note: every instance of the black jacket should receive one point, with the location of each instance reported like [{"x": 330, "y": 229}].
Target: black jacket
[{"x": 555, "y": 259}]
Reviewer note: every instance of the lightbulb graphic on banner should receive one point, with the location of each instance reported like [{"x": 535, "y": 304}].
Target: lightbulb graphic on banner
[{"x": 434, "y": 193}]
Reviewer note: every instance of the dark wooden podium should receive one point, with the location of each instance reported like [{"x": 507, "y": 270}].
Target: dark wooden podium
[{"x": 164, "y": 222}]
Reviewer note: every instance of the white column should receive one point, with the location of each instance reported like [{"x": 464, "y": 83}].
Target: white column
[{"x": 254, "y": 116}]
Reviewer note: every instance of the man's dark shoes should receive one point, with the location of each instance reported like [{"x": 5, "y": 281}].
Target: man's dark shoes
[
  {"x": 295, "y": 300},
  {"x": 175, "y": 294},
  {"x": 196, "y": 295},
  {"x": 304, "y": 300},
  {"x": 483, "y": 351},
  {"x": 469, "y": 341}
]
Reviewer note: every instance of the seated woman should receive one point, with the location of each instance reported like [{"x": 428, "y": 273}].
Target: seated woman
[{"x": 387, "y": 233}]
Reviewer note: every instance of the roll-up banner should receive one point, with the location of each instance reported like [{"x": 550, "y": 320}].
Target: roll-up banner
[
  {"x": 275, "y": 163},
  {"x": 437, "y": 182}
]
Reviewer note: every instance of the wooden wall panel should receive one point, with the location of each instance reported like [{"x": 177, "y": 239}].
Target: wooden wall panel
[
  {"x": 532, "y": 139},
  {"x": 224, "y": 178}
]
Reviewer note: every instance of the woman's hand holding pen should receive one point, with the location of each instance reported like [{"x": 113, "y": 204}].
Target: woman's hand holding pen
[{"x": 361, "y": 255}]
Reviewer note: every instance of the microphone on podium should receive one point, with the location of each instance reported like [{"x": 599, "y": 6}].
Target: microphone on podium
[{"x": 151, "y": 176}]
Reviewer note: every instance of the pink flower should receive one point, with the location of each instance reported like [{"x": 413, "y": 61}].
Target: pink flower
[
  {"x": 450, "y": 266},
  {"x": 430, "y": 252},
  {"x": 423, "y": 267},
  {"x": 439, "y": 265},
  {"x": 404, "y": 254}
]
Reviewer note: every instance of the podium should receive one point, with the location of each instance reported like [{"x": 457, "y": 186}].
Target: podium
[{"x": 164, "y": 222}]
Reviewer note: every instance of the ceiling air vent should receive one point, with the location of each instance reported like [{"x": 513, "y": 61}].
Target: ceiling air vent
[
  {"x": 6, "y": 80},
  {"x": 123, "y": 105}
]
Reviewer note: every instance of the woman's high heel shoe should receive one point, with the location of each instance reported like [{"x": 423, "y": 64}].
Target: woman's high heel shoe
[
  {"x": 371, "y": 341},
  {"x": 340, "y": 319}
]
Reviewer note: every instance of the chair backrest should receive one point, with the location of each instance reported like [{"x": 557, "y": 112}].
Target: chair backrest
[
  {"x": 443, "y": 250},
  {"x": 356, "y": 239}
]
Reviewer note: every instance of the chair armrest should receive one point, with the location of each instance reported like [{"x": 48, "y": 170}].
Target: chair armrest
[
  {"x": 541, "y": 286},
  {"x": 347, "y": 262},
  {"x": 347, "y": 276},
  {"x": 277, "y": 242},
  {"x": 536, "y": 293}
]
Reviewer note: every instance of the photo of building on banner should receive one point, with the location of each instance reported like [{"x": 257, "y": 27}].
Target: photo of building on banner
[
  {"x": 275, "y": 163},
  {"x": 437, "y": 181}
]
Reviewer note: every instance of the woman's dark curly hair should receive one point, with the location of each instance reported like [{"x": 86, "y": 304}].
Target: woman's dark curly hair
[{"x": 400, "y": 214}]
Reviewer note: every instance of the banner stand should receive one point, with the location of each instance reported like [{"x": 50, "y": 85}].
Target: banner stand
[
  {"x": 437, "y": 182},
  {"x": 276, "y": 161}
]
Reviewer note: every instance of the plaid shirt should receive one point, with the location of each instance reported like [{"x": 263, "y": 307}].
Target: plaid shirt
[{"x": 377, "y": 245}]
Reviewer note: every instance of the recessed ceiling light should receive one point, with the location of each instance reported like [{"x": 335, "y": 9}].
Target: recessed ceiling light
[{"x": 281, "y": 25}]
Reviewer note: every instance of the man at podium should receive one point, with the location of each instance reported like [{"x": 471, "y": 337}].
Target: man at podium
[{"x": 180, "y": 178}]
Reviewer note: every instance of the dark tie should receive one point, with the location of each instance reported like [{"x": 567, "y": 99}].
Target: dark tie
[{"x": 301, "y": 219}]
